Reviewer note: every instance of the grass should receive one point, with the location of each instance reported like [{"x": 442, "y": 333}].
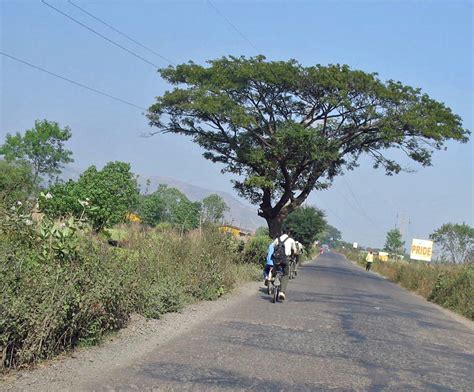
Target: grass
[{"x": 448, "y": 285}]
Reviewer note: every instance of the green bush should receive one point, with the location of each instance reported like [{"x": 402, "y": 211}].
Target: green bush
[
  {"x": 255, "y": 250},
  {"x": 454, "y": 290}
]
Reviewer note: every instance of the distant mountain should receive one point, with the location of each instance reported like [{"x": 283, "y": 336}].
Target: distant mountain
[{"x": 239, "y": 214}]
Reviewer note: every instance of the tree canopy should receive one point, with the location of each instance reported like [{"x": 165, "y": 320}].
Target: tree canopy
[
  {"x": 305, "y": 224},
  {"x": 285, "y": 129},
  {"x": 394, "y": 242},
  {"x": 16, "y": 182},
  {"x": 42, "y": 147},
  {"x": 456, "y": 242},
  {"x": 169, "y": 205},
  {"x": 104, "y": 196},
  {"x": 331, "y": 236},
  {"x": 213, "y": 208}
]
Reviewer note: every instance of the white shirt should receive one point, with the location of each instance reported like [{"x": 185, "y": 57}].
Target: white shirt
[
  {"x": 290, "y": 244},
  {"x": 300, "y": 247}
]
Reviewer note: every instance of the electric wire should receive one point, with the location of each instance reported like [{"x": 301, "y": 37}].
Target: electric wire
[
  {"x": 72, "y": 81},
  {"x": 100, "y": 35},
  {"x": 232, "y": 25},
  {"x": 122, "y": 33}
]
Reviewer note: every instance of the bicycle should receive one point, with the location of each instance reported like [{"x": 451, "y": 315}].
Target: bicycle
[
  {"x": 274, "y": 284},
  {"x": 292, "y": 270}
]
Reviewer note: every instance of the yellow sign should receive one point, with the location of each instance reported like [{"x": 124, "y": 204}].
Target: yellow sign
[{"x": 421, "y": 250}]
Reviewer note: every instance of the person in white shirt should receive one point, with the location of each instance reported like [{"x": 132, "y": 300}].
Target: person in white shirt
[
  {"x": 299, "y": 252},
  {"x": 290, "y": 249}
]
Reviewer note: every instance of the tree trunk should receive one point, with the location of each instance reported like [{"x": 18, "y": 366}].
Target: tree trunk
[{"x": 274, "y": 226}]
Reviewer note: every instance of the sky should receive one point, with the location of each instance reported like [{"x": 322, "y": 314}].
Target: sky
[{"x": 425, "y": 44}]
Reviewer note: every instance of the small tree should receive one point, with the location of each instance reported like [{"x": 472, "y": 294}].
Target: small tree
[
  {"x": 42, "y": 147},
  {"x": 331, "y": 236},
  {"x": 171, "y": 205},
  {"x": 151, "y": 209},
  {"x": 305, "y": 224},
  {"x": 213, "y": 208},
  {"x": 111, "y": 193},
  {"x": 285, "y": 129},
  {"x": 456, "y": 241},
  {"x": 16, "y": 182},
  {"x": 394, "y": 243}
]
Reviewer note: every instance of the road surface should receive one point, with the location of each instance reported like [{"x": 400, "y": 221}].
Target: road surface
[{"x": 340, "y": 329}]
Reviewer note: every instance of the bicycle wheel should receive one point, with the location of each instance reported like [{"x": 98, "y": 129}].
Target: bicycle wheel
[{"x": 276, "y": 292}]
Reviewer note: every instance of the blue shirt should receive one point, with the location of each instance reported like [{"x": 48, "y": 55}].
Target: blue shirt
[{"x": 271, "y": 249}]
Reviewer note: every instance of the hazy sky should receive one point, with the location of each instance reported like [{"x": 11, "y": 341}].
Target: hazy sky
[{"x": 425, "y": 44}]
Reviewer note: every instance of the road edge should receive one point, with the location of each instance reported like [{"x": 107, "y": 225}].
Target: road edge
[{"x": 455, "y": 316}]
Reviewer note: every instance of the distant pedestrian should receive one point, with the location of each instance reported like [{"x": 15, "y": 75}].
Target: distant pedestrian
[{"x": 369, "y": 259}]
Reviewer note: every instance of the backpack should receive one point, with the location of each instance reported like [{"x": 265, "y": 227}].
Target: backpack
[{"x": 279, "y": 255}]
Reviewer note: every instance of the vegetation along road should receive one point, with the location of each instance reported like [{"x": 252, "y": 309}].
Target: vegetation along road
[{"x": 341, "y": 329}]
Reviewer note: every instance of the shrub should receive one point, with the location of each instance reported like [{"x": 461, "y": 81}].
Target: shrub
[
  {"x": 255, "y": 250},
  {"x": 62, "y": 286}
]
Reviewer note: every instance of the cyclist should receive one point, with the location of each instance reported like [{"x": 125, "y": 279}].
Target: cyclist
[
  {"x": 299, "y": 252},
  {"x": 268, "y": 263},
  {"x": 289, "y": 248}
]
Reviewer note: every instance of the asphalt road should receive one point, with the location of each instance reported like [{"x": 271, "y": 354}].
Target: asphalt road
[{"x": 341, "y": 329}]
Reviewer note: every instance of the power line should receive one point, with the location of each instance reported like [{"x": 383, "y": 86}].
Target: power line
[
  {"x": 232, "y": 25},
  {"x": 71, "y": 81},
  {"x": 100, "y": 35},
  {"x": 367, "y": 216},
  {"x": 121, "y": 33}
]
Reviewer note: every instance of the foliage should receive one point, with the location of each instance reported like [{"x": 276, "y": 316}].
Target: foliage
[
  {"x": 456, "y": 241},
  {"x": 213, "y": 208},
  {"x": 394, "y": 243},
  {"x": 453, "y": 290},
  {"x": 331, "y": 236},
  {"x": 151, "y": 209},
  {"x": 109, "y": 194},
  {"x": 256, "y": 249},
  {"x": 42, "y": 147},
  {"x": 62, "y": 287},
  {"x": 262, "y": 231},
  {"x": 305, "y": 223},
  {"x": 285, "y": 129},
  {"x": 170, "y": 205},
  {"x": 16, "y": 182}
]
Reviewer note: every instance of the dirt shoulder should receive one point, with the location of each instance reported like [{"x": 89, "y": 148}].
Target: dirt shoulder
[{"x": 140, "y": 337}]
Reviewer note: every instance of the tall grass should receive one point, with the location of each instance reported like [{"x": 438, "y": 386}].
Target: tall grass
[
  {"x": 451, "y": 286},
  {"x": 51, "y": 301}
]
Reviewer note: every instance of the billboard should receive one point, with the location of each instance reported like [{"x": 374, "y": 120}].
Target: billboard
[{"x": 421, "y": 250}]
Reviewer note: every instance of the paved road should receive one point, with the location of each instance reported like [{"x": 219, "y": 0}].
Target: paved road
[{"x": 341, "y": 329}]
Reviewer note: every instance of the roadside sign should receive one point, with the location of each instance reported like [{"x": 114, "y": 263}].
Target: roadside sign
[
  {"x": 355, "y": 245},
  {"x": 421, "y": 250}
]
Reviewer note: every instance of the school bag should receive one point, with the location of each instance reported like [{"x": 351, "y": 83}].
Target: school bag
[{"x": 279, "y": 255}]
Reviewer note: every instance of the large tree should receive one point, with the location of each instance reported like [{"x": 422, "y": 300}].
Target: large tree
[
  {"x": 42, "y": 147},
  {"x": 285, "y": 129},
  {"x": 305, "y": 224},
  {"x": 331, "y": 236},
  {"x": 456, "y": 242}
]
